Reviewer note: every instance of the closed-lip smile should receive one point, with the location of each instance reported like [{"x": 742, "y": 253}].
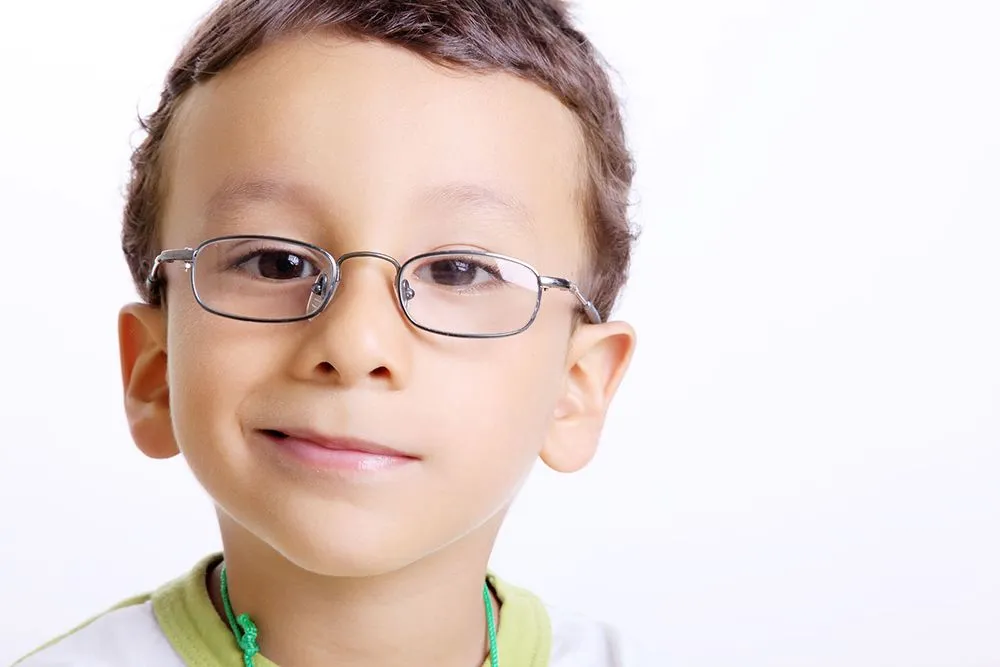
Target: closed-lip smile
[{"x": 338, "y": 453}]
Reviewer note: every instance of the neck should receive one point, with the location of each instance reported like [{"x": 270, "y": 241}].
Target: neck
[{"x": 428, "y": 613}]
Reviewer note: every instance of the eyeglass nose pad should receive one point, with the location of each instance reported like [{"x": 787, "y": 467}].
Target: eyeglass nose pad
[
  {"x": 317, "y": 294},
  {"x": 406, "y": 292}
]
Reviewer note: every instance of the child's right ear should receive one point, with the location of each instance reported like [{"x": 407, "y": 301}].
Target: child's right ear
[{"x": 142, "y": 343}]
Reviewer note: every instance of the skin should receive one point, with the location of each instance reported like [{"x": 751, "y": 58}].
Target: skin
[{"x": 358, "y": 135}]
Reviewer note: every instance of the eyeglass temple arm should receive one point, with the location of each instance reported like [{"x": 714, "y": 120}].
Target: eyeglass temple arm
[
  {"x": 165, "y": 257},
  {"x": 549, "y": 282}
]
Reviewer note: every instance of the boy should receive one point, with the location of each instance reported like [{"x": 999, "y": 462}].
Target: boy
[{"x": 333, "y": 222}]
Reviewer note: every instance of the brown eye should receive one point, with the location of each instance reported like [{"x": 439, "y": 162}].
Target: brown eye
[
  {"x": 283, "y": 266},
  {"x": 459, "y": 272},
  {"x": 453, "y": 272},
  {"x": 278, "y": 265}
]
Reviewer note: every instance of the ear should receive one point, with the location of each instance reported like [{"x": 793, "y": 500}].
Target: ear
[
  {"x": 143, "y": 351},
  {"x": 598, "y": 357}
]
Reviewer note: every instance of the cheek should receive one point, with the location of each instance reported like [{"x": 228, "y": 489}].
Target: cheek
[
  {"x": 499, "y": 400},
  {"x": 488, "y": 416},
  {"x": 213, "y": 363}
]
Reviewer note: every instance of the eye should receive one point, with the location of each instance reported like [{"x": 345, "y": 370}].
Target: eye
[
  {"x": 277, "y": 265},
  {"x": 460, "y": 271}
]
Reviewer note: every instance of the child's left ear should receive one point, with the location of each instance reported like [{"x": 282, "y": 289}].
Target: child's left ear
[{"x": 598, "y": 357}]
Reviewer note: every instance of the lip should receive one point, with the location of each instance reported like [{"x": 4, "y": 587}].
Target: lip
[{"x": 335, "y": 453}]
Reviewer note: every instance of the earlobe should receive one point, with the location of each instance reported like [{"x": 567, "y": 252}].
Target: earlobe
[
  {"x": 599, "y": 356},
  {"x": 142, "y": 349}
]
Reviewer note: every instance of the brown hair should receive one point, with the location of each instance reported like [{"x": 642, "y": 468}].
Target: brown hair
[{"x": 533, "y": 39}]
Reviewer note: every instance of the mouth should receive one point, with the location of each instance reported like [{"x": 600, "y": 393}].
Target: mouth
[{"x": 336, "y": 453}]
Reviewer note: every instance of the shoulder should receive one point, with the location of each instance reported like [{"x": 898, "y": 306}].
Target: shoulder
[
  {"x": 127, "y": 635},
  {"x": 537, "y": 634},
  {"x": 580, "y": 641},
  {"x": 145, "y": 630}
]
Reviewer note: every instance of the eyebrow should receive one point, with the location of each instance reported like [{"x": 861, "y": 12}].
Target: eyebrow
[
  {"x": 463, "y": 196},
  {"x": 480, "y": 198},
  {"x": 235, "y": 192}
]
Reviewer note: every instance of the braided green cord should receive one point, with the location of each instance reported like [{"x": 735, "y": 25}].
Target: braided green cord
[
  {"x": 246, "y": 632},
  {"x": 491, "y": 627},
  {"x": 243, "y": 628}
]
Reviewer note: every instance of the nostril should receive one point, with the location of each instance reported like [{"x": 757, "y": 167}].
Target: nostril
[{"x": 381, "y": 372}]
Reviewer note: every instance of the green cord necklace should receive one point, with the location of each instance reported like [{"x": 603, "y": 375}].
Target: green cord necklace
[{"x": 246, "y": 633}]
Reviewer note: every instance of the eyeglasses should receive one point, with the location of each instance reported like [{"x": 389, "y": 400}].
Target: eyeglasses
[{"x": 461, "y": 293}]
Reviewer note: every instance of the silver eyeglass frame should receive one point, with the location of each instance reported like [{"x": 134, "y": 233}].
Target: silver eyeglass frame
[{"x": 190, "y": 255}]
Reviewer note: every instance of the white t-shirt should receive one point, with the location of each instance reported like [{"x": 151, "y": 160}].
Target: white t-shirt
[{"x": 177, "y": 626}]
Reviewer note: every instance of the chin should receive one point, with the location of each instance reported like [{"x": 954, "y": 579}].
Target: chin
[
  {"x": 344, "y": 565},
  {"x": 345, "y": 560},
  {"x": 359, "y": 537},
  {"x": 345, "y": 548}
]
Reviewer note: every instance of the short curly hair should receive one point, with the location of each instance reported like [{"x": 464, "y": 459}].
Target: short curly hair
[{"x": 532, "y": 39}]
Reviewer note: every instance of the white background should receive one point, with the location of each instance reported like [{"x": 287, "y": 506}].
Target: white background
[{"x": 803, "y": 467}]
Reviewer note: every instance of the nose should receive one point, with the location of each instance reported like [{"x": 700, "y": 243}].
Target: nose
[{"x": 361, "y": 335}]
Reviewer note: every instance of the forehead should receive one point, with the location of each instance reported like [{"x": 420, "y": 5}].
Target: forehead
[{"x": 373, "y": 141}]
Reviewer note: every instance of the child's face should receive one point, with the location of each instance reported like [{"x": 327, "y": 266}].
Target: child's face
[{"x": 358, "y": 141}]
